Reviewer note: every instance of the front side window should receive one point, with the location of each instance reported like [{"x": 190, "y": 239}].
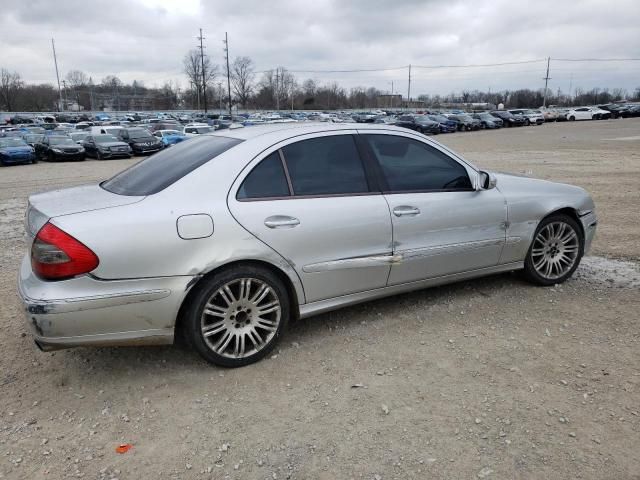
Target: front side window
[
  {"x": 412, "y": 166},
  {"x": 325, "y": 166},
  {"x": 267, "y": 180}
]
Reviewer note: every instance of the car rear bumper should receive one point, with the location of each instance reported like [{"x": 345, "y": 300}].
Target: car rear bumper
[{"x": 86, "y": 311}]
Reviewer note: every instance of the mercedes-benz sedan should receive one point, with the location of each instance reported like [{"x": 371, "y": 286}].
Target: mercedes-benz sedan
[{"x": 228, "y": 237}]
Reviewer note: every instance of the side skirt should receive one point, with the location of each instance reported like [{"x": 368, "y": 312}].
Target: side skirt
[{"x": 321, "y": 306}]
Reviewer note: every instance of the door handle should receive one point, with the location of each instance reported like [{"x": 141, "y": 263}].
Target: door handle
[
  {"x": 281, "y": 221},
  {"x": 406, "y": 211}
]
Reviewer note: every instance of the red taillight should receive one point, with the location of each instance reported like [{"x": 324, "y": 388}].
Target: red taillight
[{"x": 56, "y": 255}]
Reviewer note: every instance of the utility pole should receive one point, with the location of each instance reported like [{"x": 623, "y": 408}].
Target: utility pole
[
  {"x": 391, "y": 93},
  {"x": 204, "y": 82},
  {"x": 55, "y": 61},
  {"x": 570, "y": 84},
  {"x": 64, "y": 92},
  {"x": 409, "y": 88},
  {"x": 276, "y": 91},
  {"x": 546, "y": 82},
  {"x": 220, "y": 95},
  {"x": 226, "y": 52}
]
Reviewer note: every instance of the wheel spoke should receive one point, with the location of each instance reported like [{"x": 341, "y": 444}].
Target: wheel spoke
[
  {"x": 241, "y": 318},
  {"x": 571, "y": 235},
  {"x": 214, "y": 328},
  {"x": 215, "y": 310}
]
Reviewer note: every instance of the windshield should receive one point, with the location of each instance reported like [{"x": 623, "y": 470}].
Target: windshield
[
  {"x": 171, "y": 132},
  {"x": 139, "y": 133},
  {"x": 485, "y": 116},
  {"x": 105, "y": 138},
  {"x": 61, "y": 141},
  {"x": 11, "y": 142},
  {"x": 32, "y": 138},
  {"x": 158, "y": 171},
  {"x": 204, "y": 129}
]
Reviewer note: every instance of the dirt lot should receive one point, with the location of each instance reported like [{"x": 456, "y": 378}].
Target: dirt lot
[{"x": 484, "y": 379}]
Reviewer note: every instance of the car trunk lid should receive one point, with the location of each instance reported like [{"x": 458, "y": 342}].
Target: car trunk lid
[{"x": 78, "y": 199}]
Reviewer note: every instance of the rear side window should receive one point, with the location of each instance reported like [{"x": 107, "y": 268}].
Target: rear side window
[
  {"x": 158, "y": 171},
  {"x": 412, "y": 166},
  {"x": 325, "y": 166},
  {"x": 266, "y": 180}
]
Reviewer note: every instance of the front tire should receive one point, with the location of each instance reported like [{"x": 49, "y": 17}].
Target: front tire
[
  {"x": 237, "y": 316},
  {"x": 555, "y": 252}
]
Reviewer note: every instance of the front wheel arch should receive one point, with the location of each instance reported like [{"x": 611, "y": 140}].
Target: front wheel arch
[{"x": 294, "y": 304}]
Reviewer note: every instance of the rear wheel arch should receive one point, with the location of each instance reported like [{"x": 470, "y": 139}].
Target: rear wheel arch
[{"x": 294, "y": 305}]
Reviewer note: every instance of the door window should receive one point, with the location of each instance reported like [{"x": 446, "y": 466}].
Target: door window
[
  {"x": 267, "y": 180},
  {"x": 325, "y": 166},
  {"x": 411, "y": 166}
]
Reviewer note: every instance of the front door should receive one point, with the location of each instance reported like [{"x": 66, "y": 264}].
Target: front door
[
  {"x": 441, "y": 224},
  {"x": 310, "y": 200}
]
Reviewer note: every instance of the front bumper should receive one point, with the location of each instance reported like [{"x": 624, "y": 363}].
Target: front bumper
[
  {"x": 589, "y": 223},
  {"x": 86, "y": 311}
]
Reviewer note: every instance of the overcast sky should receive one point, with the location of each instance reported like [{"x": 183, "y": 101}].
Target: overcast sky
[{"x": 147, "y": 40}]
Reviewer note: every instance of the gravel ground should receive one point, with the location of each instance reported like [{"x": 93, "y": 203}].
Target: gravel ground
[{"x": 492, "y": 378}]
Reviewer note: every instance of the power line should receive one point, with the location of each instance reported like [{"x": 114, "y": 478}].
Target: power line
[
  {"x": 596, "y": 59},
  {"x": 475, "y": 65}
]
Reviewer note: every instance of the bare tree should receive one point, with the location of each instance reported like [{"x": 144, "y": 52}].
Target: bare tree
[
  {"x": 192, "y": 63},
  {"x": 242, "y": 75},
  {"x": 10, "y": 84},
  {"x": 77, "y": 79}
]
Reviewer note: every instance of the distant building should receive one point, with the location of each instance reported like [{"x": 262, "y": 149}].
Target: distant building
[{"x": 389, "y": 101}]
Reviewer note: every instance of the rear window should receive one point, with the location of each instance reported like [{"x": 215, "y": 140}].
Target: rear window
[{"x": 158, "y": 171}]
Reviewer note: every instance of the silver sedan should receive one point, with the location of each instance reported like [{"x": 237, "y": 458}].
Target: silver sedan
[{"x": 227, "y": 237}]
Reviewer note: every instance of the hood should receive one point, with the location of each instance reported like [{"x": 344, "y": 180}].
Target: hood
[
  {"x": 112, "y": 144},
  {"x": 515, "y": 186},
  {"x": 10, "y": 150},
  {"x": 145, "y": 140},
  {"x": 78, "y": 199}
]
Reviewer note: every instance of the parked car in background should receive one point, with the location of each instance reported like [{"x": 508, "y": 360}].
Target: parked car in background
[
  {"x": 195, "y": 129},
  {"x": 136, "y": 259},
  {"x": 487, "y": 120},
  {"x": 103, "y": 146},
  {"x": 549, "y": 114},
  {"x": 419, "y": 123},
  {"x": 587, "y": 113},
  {"x": 14, "y": 151},
  {"x": 508, "y": 119},
  {"x": 59, "y": 148},
  {"x": 170, "y": 137},
  {"x": 78, "y": 137},
  {"x": 141, "y": 141},
  {"x": 446, "y": 124},
  {"x": 530, "y": 117},
  {"x": 32, "y": 139},
  {"x": 465, "y": 121}
]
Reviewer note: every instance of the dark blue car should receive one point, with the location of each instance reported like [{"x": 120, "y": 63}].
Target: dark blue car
[
  {"x": 14, "y": 150},
  {"x": 446, "y": 124}
]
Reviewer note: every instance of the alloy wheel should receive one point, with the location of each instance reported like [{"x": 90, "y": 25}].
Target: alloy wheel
[
  {"x": 240, "y": 318},
  {"x": 555, "y": 250}
]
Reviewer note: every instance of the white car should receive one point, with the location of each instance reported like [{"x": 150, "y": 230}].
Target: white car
[
  {"x": 588, "y": 113},
  {"x": 532, "y": 117},
  {"x": 194, "y": 129}
]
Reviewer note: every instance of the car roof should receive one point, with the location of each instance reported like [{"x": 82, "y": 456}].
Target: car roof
[{"x": 288, "y": 130}]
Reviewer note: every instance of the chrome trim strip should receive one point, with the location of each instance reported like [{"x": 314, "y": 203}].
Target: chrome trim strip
[
  {"x": 159, "y": 336},
  {"x": 446, "y": 249},
  {"x": 321, "y": 306},
  {"x": 513, "y": 240},
  {"x": 358, "y": 262},
  {"x": 66, "y": 305}
]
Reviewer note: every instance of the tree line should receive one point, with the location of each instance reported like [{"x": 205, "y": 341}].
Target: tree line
[{"x": 272, "y": 89}]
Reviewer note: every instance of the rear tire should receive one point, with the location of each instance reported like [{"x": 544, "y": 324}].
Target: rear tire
[
  {"x": 572, "y": 118},
  {"x": 232, "y": 332},
  {"x": 555, "y": 252}
]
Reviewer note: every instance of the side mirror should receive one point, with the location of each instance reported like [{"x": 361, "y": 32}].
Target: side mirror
[{"x": 486, "y": 180}]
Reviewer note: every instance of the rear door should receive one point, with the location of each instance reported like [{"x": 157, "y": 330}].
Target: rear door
[
  {"x": 312, "y": 200},
  {"x": 441, "y": 224}
]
